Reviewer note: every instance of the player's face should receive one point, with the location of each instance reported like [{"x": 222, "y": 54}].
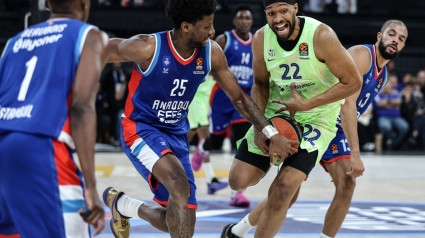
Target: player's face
[
  {"x": 392, "y": 40},
  {"x": 243, "y": 21},
  {"x": 201, "y": 31},
  {"x": 281, "y": 19}
]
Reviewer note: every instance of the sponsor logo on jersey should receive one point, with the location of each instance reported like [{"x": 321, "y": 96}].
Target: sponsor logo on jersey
[
  {"x": 303, "y": 49},
  {"x": 272, "y": 53},
  {"x": 199, "y": 63},
  {"x": 166, "y": 61},
  {"x": 235, "y": 45},
  {"x": 378, "y": 87},
  {"x": 334, "y": 149},
  {"x": 165, "y": 70}
]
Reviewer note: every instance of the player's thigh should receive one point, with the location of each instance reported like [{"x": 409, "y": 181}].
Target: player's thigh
[
  {"x": 254, "y": 167},
  {"x": 40, "y": 204}
]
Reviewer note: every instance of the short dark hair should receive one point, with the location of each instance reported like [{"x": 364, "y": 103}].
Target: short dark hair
[
  {"x": 389, "y": 22},
  {"x": 189, "y": 10},
  {"x": 244, "y": 7}
]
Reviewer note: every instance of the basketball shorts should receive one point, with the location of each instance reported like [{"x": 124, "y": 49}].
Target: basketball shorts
[
  {"x": 40, "y": 188},
  {"x": 146, "y": 146},
  {"x": 223, "y": 113},
  {"x": 338, "y": 149}
]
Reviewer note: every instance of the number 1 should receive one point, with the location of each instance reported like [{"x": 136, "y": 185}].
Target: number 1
[{"x": 27, "y": 79}]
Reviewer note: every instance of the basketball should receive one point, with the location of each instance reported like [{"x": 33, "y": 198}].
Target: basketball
[{"x": 287, "y": 128}]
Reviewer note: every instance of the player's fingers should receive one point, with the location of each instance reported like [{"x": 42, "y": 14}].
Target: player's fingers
[
  {"x": 280, "y": 110},
  {"x": 293, "y": 150},
  {"x": 293, "y": 88},
  {"x": 99, "y": 226},
  {"x": 277, "y": 101}
]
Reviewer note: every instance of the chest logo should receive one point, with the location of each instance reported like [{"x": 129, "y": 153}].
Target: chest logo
[
  {"x": 271, "y": 53},
  {"x": 166, "y": 61},
  {"x": 303, "y": 49},
  {"x": 199, "y": 64}
]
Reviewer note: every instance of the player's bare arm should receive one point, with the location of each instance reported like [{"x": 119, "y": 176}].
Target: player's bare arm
[
  {"x": 361, "y": 56},
  {"x": 221, "y": 40},
  {"x": 261, "y": 85},
  {"x": 139, "y": 49},
  {"x": 243, "y": 103},
  {"x": 328, "y": 50},
  {"x": 83, "y": 118}
]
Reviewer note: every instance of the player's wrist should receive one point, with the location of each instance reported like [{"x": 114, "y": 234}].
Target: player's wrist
[{"x": 269, "y": 131}]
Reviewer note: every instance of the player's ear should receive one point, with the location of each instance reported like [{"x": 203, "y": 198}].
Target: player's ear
[
  {"x": 295, "y": 8},
  {"x": 379, "y": 36},
  {"x": 185, "y": 26}
]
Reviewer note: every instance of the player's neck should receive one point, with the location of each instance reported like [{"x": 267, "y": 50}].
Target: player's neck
[
  {"x": 243, "y": 35},
  {"x": 64, "y": 15},
  {"x": 180, "y": 44},
  {"x": 380, "y": 61}
]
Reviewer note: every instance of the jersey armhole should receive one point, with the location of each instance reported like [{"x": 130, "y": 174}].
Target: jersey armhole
[
  {"x": 5, "y": 48},
  {"x": 372, "y": 60},
  {"x": 227, "y": 35},
  {"x": 154, "y": 59},
  {"x": 81, "y": 40}
]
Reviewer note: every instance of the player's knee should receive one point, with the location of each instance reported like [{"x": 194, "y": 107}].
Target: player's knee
[
  {"x": 346, "y": 186},
  {"x": 238, "y": 182},
  {"x": 280, "y": 194},
  {"x": 178, "y": 185}
]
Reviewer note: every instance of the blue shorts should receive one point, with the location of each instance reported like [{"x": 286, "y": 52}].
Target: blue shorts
[
  {"x": 338, "y": 149},
  {"x": 145, "y": 145},
  {"x": 223, "y": 113},
  {"x": 40, "y": 188}
]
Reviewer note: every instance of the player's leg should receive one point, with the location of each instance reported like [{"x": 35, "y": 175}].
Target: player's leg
[
  {"x": 344, "y": 189},
  {"x": 30, "y": 186},
  {"x": 250, "y": 221},
  {"x": 283, "y": 190}
]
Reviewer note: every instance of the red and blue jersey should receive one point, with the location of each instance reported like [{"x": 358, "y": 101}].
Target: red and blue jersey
[
  {"x": 160, "y": 95},
  {"x": 239, "y": 58},
  {"x": 373, "y": 81},
  {"x": 37, "y": 70}
]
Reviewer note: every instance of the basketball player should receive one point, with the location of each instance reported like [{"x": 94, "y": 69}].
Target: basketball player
[
  {"x": 236, "y": 45},
  {"x": 48, "y": 83},
  {"x": 169, "y": 66},
  {"x": 342, "y": 163},
  {"x": 292, "y": 67}
]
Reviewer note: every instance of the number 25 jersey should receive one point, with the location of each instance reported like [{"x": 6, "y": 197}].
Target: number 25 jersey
[{"x": 160, "y": 95}]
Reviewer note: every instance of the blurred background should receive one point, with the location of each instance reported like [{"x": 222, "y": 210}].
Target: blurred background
[{"x": 354, "y": 21}]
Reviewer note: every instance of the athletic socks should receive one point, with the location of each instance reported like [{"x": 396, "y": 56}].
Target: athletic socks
[
  {"x": 209, "y": 172},
  {"x": 201, "y": 146},
  {"x": 242, "y": 227},
  {"x": 324, "y": 236},
  {"x": 128, "y": 206}
]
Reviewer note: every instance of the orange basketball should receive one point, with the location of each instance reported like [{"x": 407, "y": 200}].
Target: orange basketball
[{"x": 287, "y": 128}]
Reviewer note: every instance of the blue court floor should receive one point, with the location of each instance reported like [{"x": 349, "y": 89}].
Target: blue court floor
[{"x": 389, "y": 200}]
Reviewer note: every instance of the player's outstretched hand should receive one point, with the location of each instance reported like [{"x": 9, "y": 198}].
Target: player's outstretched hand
[
  {"x": 294, "y": 104},
  {"x": 280, "y": 147},
  {"x": 95, "y": 214},
  {"x": 357, "y": 167}
]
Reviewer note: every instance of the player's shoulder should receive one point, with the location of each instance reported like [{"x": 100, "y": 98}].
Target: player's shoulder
[{"x": 362, "y": 57}]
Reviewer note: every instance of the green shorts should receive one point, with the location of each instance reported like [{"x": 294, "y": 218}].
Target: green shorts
[{"x": 314, "y": 138}]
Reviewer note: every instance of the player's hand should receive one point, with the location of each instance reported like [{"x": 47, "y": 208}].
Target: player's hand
[
  {"x": 294, "y": 104},
  {"x": 261, "y": 141},
  {"x": 357, "y": 167},
  {"x": 95, "y": 214},
  {"x": 280, "y": 147}
]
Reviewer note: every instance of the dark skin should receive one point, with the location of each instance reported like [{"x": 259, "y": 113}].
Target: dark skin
[
  {"x": 168, "y": 170},
  {"x": 82, "y": 111}
]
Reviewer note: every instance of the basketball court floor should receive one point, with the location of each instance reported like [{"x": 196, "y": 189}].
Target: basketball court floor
[{"x": 389, "y": 200}]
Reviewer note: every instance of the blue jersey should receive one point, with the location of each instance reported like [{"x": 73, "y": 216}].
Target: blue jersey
[
  {"x": 373, "y": 81},
  {"x": 160, "y": 95},
  {"x": 37, "y": 71},
  {"x": 239, "y": 58}
]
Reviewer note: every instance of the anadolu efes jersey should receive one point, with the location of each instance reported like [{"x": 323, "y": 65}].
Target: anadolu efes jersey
[
  {"x": 37, "y": 70},
  {"x": 160, "y": 95}
]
